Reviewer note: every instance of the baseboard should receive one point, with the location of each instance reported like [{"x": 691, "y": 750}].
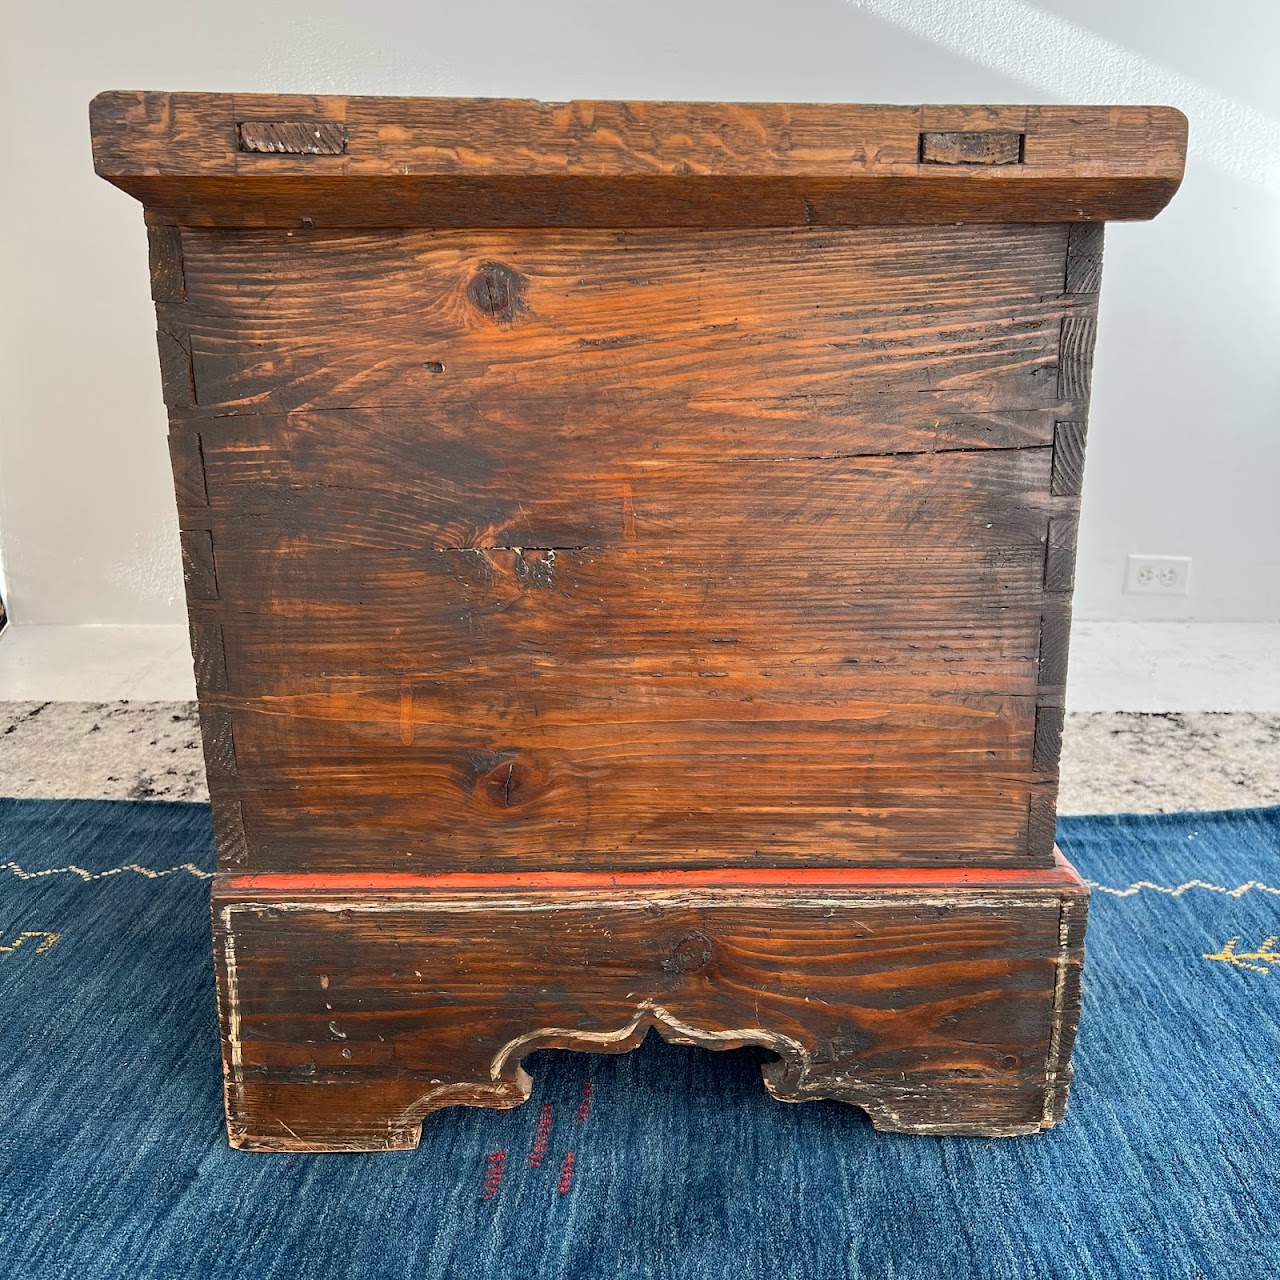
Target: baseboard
[
  {"x": 1115, "y": 666},
  {"x": 1174, "y": 666},
  {"x": 96, "y": 664}
]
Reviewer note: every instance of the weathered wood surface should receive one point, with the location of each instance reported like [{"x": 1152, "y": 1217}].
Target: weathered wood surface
[
  {"x": 681, "y": 548},
  {"x": 716, "y": 328},
  {"x": 293, "y": 137},
  {"x": 979, "y": 502},
  {"x": 978, "y": 146},
  {"x": 476, "y": 162},
  {"x": 632, "y": 540},
  {"x": 939, "y": 1008}
]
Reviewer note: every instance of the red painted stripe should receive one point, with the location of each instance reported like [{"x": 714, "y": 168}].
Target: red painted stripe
[{"x": 1059, "y": 876}]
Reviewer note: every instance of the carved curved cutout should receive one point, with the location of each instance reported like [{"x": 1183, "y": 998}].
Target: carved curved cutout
[{"x": 786, "y": 1079}]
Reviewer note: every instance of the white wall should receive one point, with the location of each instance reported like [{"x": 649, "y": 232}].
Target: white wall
[{"x": 1184, "y": 449}]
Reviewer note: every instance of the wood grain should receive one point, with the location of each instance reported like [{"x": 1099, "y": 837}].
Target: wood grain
[
  {"x": 209, "y": 655},
  {"x": 1068, "y": 458},
  {"x": 293, "y": 137},
  {"x": 198, "y": 568},
  {"x": 1075, "y": 366},
  {"x": 1060, "y": 554},
  {"x": 564, "y": 616},
  {"x": 628, "y": 550},
  {"x": 870, "y": 790},
  {"x": 963, "y": 319},
  {"x": 1084, "y": 258},
  {"x": 436, "y": 610},
  {"x": 1048, "y": 738},
  {"x": 987, "y": 146},
  {"x": 980, "y": 501},
  {"x": 229, "y": 837},
  {"x": 218, "y": 733},
  {"x": 938, "y": 1011},
  {"x": 477, "y": 162},
  {"x": 164, "y": 246},
  {"x": 187, "y": 460},
  {"x": 629, "y": 685}
]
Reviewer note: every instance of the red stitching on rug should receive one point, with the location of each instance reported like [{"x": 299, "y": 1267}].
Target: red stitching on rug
[
  {"x": 494, "y": 1163},
  {"x": 541, "y": 1137},
  {"x": 566, "y": 1173},
  {"x": 584, "y": 1107}
]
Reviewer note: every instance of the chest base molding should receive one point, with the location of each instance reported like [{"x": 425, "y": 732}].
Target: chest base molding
[{"x": 939, "y": 1001}]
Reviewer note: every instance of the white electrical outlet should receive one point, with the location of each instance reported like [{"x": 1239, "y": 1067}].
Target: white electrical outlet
[{"x": 1158, "y": 575}]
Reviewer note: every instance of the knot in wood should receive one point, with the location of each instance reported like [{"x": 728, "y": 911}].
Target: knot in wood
[
  {"x": 507, "y": 779},
  {"x": 691, "y": 953},
  {"x": 497, "y": 290}
]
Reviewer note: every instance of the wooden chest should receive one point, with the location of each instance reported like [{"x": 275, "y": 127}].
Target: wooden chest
[{"x": 628, "y": 549}]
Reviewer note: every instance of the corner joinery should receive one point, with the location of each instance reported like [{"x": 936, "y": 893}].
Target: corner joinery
[
  {"x": 1082, "y": 274},
  {"x": 199, "y": 554}
]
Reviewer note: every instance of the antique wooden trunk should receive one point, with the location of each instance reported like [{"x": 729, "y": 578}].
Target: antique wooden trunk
[{"x": 629, "y": 550}]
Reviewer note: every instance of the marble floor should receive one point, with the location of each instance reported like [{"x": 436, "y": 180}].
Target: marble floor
[{"x": 1120, "y": 762}]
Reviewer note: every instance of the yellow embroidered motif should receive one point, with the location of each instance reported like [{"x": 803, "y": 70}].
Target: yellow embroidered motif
[
  {"x": 1244, "y": 959},
  {"x": 49, "y": 940}
]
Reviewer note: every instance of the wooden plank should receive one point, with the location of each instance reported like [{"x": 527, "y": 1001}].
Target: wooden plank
[
  {"x": 476, "y": 162},
  {"x": 358, "y": 722},
  {"x": 598, "y": 621},
  {"x": 938, "y": 1010},
  {"x": 986, "y": 501},
  {"x": 623, "y": 426},
  {"x": 839, "y": 793},
  {"x": 967, "y": 315},
  {"x": 452, "y": 464}
]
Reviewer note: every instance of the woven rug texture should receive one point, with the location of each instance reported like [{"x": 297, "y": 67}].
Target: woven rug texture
[{"x": 666, "y": 1162}]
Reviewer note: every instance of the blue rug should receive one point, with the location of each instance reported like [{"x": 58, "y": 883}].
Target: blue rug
[{"x": 667, "y": 1162}]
